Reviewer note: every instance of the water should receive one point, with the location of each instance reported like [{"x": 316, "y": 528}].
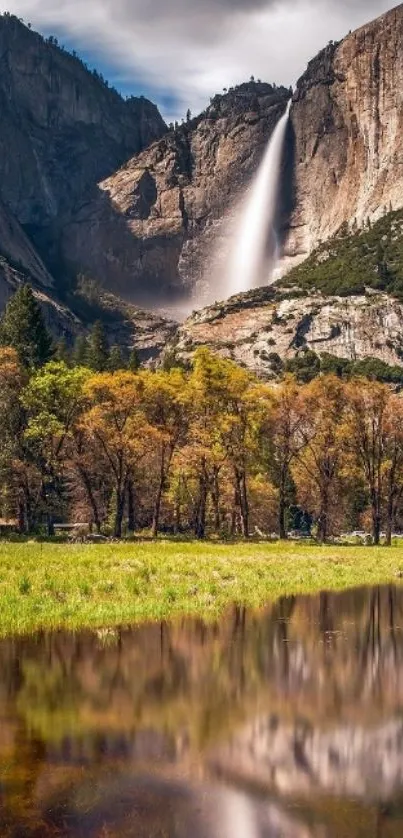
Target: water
[
  {"x": 286, "y": 723},
  {"x": 255, "y": 248}
]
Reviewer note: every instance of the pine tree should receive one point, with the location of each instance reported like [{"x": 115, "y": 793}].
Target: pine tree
[
  {"x": 80, "y": 351},
  {"x": 134, "y": 361},
  {"x": 116, "y": 361},
  {"x": 23, "y": 328},
  {"x": 62, "y": 352},
  {"x": 98, "y": 348}
]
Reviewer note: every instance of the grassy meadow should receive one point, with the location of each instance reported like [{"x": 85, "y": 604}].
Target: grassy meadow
[{"x": 45, "y": 585}]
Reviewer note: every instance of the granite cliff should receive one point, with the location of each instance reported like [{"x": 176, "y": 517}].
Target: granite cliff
[
  {"x": 347, "y": 120},
  {"x": 61, "y": 130}
]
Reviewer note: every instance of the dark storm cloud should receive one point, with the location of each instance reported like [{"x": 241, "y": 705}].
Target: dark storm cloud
[{"x": 186, "y": 50}]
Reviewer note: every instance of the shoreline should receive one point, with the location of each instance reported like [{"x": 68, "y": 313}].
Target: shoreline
[{"x": 46, "y": 586}]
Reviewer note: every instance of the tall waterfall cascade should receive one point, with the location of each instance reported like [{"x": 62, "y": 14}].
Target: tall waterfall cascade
[{"x": 255, "y": 249}]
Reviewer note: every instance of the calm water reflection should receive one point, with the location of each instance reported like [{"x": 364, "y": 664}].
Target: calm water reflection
[{"x": 282, "y": 724}]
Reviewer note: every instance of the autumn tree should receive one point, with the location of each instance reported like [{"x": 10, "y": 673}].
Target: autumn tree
[
  {"x": 115, "y": 423},
  {"x": 393, "y": 465},
  {"x": 204, "y": 450},
  {"x": 166, "y": 408},
  {"x": 281, "y": 440},
  {"x": 368, "y": 428},
  {"x": 318, "y": 465},
  {"x": 238, "y": 409}
]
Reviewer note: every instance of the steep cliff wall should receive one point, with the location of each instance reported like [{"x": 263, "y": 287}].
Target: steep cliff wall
[
  {"x": 347, "y": 118},
  {"x": 148, "y": 229},
  {"x": 16, "y": 250},
  {"x": 61, "y": 129}
]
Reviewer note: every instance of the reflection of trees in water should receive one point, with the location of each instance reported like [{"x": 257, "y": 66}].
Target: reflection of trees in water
[
  {"x": 153, "y": 694},
  {"x": 337, "y": 650}
]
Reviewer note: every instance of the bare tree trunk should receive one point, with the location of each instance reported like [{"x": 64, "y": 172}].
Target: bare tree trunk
[
  {"x": 119, "y": 511},
  {"x": 390, "y": 514},
  {"x": 323, "y": 518},
  {"x": 177, "y": 518},
  {"x": 282, "y": 506},
  {"x": 376, "y": 519},
  {"x": 244, "y": 506},
  {"x": 235, "y": 509},
  {"x": 215, "y": 493},
  {"x": 131, "y": 522},
  {"x": 242, "y": 497},
  {"x": 22, "y": 523},
  {"x": 200, "y": 528},
  {"x": 87, "y": 485},
  {"x": 158, "y": 498}
]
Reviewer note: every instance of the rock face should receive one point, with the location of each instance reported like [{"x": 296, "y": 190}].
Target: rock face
[
  {"x": 16, "y": 250},
  {"x": 19, "y": 262},
  {"x": 298, "y": 760},
  {"x": 148, "y": 229},
  {"x": 347, "y": 119},
  {"x": 61, "y": 130},
  {"x": 129, "y": 326},
  {"x": 255, "y": 329}
]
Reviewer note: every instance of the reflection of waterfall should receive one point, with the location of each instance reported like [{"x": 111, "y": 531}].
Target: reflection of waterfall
[{"x": 255, "y": 249}]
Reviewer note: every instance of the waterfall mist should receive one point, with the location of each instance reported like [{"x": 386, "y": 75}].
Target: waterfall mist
[{"x": 255, "y": 249}]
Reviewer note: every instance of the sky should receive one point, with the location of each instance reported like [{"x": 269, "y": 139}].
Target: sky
[{"x": 179, "y": 53}]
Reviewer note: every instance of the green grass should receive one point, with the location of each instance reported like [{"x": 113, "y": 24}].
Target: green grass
[{"x": 79, "y": 586}]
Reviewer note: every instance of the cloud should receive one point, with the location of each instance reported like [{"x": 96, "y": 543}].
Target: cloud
[{"x": 183, "y": 51}]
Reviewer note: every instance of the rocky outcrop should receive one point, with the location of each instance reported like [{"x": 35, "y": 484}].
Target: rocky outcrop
[
  {"x": 149, "y": 228},
  {"x": 134, "y": 328},
  {"x": 61, "y": 130},
  {"x": 347, "y": 120},
  {"x": 16, "y": 250},
  {"x": 19, "y": 263},
  {"x": 59, "y": 319},
  {"x": 258, "y": 328}
]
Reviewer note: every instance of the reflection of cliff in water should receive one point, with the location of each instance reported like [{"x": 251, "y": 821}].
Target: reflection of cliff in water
[{"x": 301, "y": 702}]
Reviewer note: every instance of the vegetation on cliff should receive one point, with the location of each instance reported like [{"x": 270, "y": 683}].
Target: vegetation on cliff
[{"x": 353, "y": 261}]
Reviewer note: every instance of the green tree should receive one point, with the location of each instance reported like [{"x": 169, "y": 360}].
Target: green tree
[
  {"x": 98, "y": 348},
  {"x": 53, "y": 401},
  {"x": 134, "y": 360},
  {"x": 116, "y": 360},
  {"x": 80, "y": 351},
  {"x": 23, "y": 328},
  {"x": 62, "y": 352}
]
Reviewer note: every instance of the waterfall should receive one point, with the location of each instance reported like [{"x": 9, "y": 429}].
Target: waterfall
[{"x": 253, "y": 253}]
